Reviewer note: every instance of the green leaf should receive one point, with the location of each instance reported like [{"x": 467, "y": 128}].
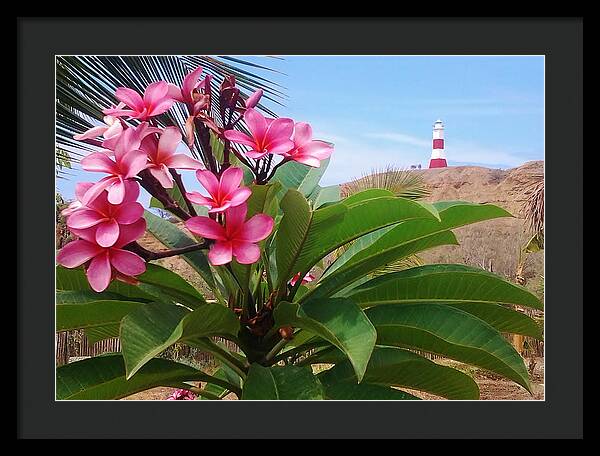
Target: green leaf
[
  {"x": 172, "y": 237},
  {"x": 296, "y": 176},
  {"x": 172, "y": 284},
  {"x": 151, "y": 329},
  {"x": 390, "y": 366},
  {"x": 263, "y": 199},
  {"x": 400, "y": 241},
  {"x": 324, "y": 195},
  {"x": 293, "y": 231},
  {"x": 98, "y": 333},
  {"x": 345, "y": 391},
  {"x": 443, "y": 283},
  {"x": 103, "y": 377},
  {"x": 89, "y": 314},
  {"x": 339, "y": 321},
  {"x": 75, "y": 280},
  {"x": 281, "y": 383},
  {"x": 449, "y": 332}
]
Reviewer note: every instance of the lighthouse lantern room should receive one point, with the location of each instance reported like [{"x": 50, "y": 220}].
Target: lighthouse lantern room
[{"x": 438, "y": 155}]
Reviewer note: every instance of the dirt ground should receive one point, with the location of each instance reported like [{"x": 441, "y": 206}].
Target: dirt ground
[{"x": 492, "y": 388}]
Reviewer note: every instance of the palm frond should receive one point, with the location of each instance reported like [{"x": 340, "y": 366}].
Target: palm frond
[
  {"x": 534, "y": 208},
  {"x": 402, "y": 182},
  {"x": 86, "y": 84}
]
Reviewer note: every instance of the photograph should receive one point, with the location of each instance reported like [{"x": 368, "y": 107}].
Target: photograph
[{"x": 300, "y": 227}]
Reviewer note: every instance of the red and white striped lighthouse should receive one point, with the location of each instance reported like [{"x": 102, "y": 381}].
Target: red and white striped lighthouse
[{"x": 438, "y": 156}]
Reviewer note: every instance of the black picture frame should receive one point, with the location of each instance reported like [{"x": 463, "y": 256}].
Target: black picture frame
[{"x": 560, "y": 415}]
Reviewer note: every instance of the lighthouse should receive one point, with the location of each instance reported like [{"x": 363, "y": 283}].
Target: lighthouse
[{"x": 438, "y": 156}]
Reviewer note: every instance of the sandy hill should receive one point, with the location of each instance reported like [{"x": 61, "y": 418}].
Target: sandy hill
[{"x": 496, "y": 242}]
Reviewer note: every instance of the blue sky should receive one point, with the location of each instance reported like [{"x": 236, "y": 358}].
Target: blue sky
[{"x": 379, "y": 110}]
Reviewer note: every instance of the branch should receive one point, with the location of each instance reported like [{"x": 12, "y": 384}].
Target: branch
[
  {"x": 154, "y": 187},
  {"x": 179, "y": 182},
  {"x": 148, "y": 255}
]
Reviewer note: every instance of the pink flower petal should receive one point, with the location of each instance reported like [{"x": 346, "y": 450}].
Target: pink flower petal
[
  {"x": 168, "y": 142},
  {"x": 127, "y": 262},
  {"x": 95, "y": 190},
  {"x": 87, "y": 234},
  {"x": 128, "y": 213},
  {"x": 220, "y": 208},
  {"x": 205, "y": 227},
  {"x": 76, "y": 253},
  {"x": 107, "y": 233},
  {"x": 239, "y": 137},
  {"x": 161, "y": 107},
  {"x": 182, "y": 161},
  {"x": 200, "y": 199},
  {"x": 155, "y": 93},
  {"x": 114, "y": 130},
  {"x": 174, "y": 92},
  {"x": 189, "y": 83},
  {"x": 132, "y": 191},
  {"x": 162, "y": 175},
  {"x": 130, "y": 233},
  {"x": 280, "y": 146},
  {"x": 99, "y": 162},
  {"x": 239, "y": 196},
  {"x": 302, "y": 133},
  {"x": 317, "y": 149},
  {"x": 220, "y": 253},
  {"x": 246, "y": 252},
  {"x": 99, "y": 272},
  {"x": 257, "y": 154},
  {"x": 84, "y": 218},
  {"x": 81, "y": 188},
  {"x": 256, "y": 123},
  {"x": 116, "y": 192},
  {"x": 234, "y": 219},
  {"x": 230, "y": 180},
  {"x": 281, "y": 128},
  {"x": 256, "y": 229},
  {"x": 93, "y": 132},
  {"x": 130, "y": 97},
  {"x": 119, "y": 112},
  {"x": 253, "y": 99},
  {"x": 133, "y": 162},
  {"x": 209, "y": 181},
  {"x": 307, "y": 160}
]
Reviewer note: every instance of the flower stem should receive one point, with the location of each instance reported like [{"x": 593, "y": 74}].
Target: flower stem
[
  {"x": 149, "y": 255},
  {"x": 179, "y": 181}
]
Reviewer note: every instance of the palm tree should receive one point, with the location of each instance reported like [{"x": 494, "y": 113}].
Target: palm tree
[{"x": 86, "y": 84}]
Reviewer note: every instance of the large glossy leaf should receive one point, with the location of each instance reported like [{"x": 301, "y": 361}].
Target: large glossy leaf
[
  {"x": 365, "y": 392},
  {"x": 449, "y": 332},
  {"x": 339, "y": 321},
  {"x": 103, "y": 377},
  {"x": 75, "y": 280},
  {"x": 404, "y": 239},
  {"x": 296, "y": 176},
  {"x": 151, "y": 329},
  {"x": 98, "y": 333},
  {"x": 391, "y": 366},
  {"x": 294, "y": 229},
  {"x": 172, "y": 237},
  {"x": 281, "y": 383},
  {"x": 324, "y": 195},
  {"x": 90, "y": 314},
  {"x": 172, "y": 284},
  {"x": 471, "y": 289}
]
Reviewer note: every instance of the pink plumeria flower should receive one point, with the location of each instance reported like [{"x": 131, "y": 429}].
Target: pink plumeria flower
[
  {"x": 156, "y": 101},
  {"x": 224, "y": 193},
  {"x": 307, "y": 279},
  {"x": 181, "y": 395},
  {"x": 268, "y": 135},
  {"x": 141, "y": 131},
  {"x": 106, "y": 219},
  {"x": 189, "y": 92},
  {"x": 162, "y": 156},
  {"x": 80, "y": 189},
  {"x": 307, "y": 150},
  {"x": 105, "y": 263},
  {"x": 128, "y": 162},
  {"x": 112, "y": 127},
  {"x": 238, "y": 238}
]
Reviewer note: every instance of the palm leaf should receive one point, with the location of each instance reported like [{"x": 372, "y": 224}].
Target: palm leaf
[
  {"x": 86, "y": 84},
  {"x": 401, "y": 182}
]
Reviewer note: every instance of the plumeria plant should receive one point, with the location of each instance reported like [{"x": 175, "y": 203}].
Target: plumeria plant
[{"x": 261, "y": 233}]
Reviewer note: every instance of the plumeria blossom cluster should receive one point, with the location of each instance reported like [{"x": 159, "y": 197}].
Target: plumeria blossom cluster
[{"x": 134, "y": 148}]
